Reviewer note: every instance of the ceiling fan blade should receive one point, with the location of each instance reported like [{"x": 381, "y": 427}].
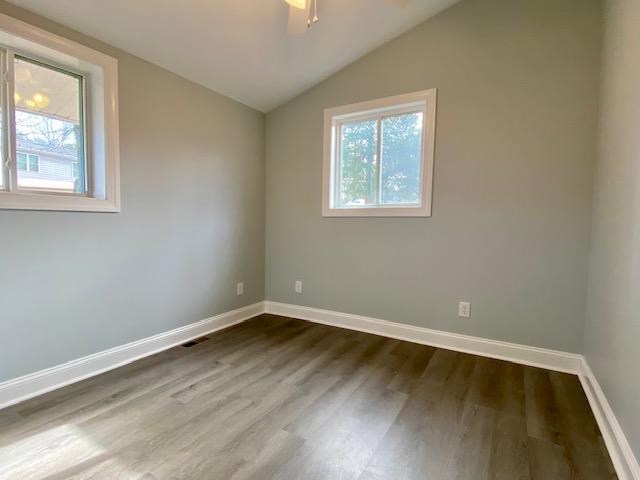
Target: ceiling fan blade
[
  {"x": 297, "y": 21},
  {"x": 398, "y": 3},
  {"x": 301, "y": 4}
]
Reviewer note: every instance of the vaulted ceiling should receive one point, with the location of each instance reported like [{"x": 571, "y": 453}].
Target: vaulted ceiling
[{"x": 241, "y": 48}]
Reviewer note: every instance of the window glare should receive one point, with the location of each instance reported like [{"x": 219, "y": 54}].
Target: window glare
[{"x": 49, "y": 128}]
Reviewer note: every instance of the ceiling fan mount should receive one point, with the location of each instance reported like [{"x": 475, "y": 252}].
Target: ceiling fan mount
[
  {"x": 302, "y": 8},
  {"x": 305, "y": 12}
]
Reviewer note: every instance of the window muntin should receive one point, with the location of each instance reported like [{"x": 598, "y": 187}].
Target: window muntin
[{"x": 379, "y": 157}]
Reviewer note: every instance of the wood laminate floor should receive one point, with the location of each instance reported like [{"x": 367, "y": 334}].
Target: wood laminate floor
[{"x": 277, "y": 398}]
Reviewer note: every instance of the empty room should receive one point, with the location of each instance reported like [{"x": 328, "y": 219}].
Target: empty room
[{"x": 319, "y": 239}]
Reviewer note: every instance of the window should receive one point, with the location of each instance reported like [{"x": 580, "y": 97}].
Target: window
[
  {"x": 28, "y": 162},
  {"x": 33, "y": 163},
  {"x": 59, "y": 124},
  {"x": 378, "y": 157},
  {"x": 49, "y": 119}
]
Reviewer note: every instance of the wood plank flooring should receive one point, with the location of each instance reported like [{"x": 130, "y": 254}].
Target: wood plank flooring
[{"x": 278, "y": 398}]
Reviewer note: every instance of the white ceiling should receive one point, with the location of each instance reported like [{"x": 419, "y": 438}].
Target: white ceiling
[{"x": 240, "y": 48}]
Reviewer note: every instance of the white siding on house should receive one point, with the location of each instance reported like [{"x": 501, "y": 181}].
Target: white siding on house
[{"x": 53, "y": 172}]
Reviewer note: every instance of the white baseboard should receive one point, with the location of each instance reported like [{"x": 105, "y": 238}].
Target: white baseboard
[
  {"x": 32, "y": 385},
  {"x": 534, "y": 356},
  {"x": 622, "y": 456}
]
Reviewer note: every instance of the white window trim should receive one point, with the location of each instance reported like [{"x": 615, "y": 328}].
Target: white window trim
[
  {"x": 426, "y": 99},
  {"x": 102, "y": 141}
]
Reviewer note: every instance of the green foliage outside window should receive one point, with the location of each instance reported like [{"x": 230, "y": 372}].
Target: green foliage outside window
[
  {"x": 401, "y": 144},
  {"x": 358, "y": 163},
  {"x": 401, "y": 148}
]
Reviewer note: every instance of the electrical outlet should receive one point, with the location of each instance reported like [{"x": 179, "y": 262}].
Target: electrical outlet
[
  {"x": 240, "y": 288},
  {"x": 298, "y": 286},
  {"x": 464, "y": 309}
]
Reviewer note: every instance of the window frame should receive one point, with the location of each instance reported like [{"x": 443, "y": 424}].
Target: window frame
[
  {"x": 9, "y": 55},
  {"x": 334, "y": 118},
  {"x": 98, "y": 74},
  {"x": 84, "y": 120}
]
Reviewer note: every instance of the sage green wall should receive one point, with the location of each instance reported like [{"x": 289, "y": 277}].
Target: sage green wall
[
  {"x": 613, "y": 322},
  {"x": 515, "y": 145},
  {"x": 192, "y": 224}
]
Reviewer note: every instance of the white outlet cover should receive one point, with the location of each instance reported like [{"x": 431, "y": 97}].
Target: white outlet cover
[
  {"x": 298, "y": 286},
  {"x": 240, "y": 288},
  {"x": 464, "y": 309}
]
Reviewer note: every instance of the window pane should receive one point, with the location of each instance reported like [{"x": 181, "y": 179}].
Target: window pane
[
  {"x": 358, "y": 166},
  {"x": 22, "y": 161},
  {"x": 49, "y": 126},
  {"x": 401, "y": 158},
  {"x": 33, "y": 163}
]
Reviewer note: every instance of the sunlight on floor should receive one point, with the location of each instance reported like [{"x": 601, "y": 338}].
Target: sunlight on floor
[{"x": 65, "y": 449}]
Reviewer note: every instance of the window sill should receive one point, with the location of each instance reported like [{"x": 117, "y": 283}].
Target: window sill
[
  {"x": 64, "y": 203},
  {"x": 423, "y": 211}
]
